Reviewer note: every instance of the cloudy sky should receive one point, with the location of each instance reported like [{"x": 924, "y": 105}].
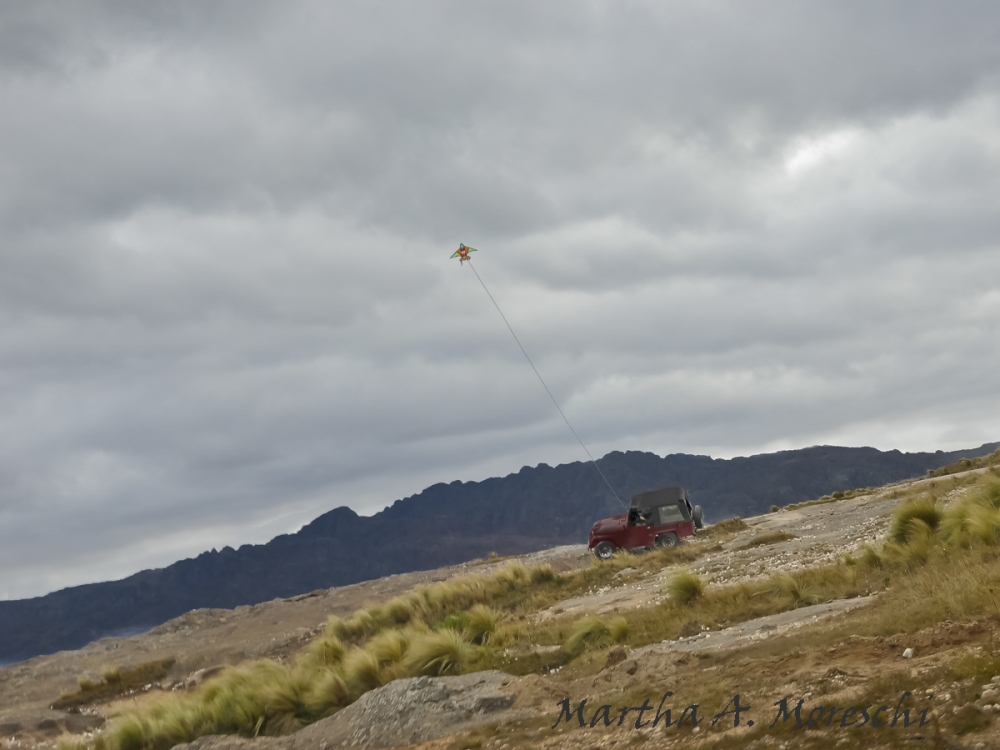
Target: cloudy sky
[{"x": 225, "y": 293}]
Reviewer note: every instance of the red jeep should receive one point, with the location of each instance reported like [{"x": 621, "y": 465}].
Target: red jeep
[{"x": 655, "y": 519}]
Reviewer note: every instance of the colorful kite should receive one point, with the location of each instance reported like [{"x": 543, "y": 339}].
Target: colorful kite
[{"x": 463, "y": 253}]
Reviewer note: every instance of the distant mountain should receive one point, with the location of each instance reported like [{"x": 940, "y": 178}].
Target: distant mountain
[{"x": 443, "y": 525}]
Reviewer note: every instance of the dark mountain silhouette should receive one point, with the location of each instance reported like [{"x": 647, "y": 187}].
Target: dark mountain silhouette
[{"x": 445, "y": 524}]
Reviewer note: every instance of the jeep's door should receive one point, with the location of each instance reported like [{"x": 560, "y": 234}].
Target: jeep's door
[{"x": 640, "y": 529}]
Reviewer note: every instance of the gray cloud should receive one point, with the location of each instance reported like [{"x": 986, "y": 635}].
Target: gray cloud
[{"x": 226, "y": 302}]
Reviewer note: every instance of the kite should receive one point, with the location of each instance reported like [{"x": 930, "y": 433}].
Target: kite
[{"x": 463, "y": 253}]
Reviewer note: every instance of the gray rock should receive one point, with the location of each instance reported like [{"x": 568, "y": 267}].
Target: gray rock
[
  {"x": 490, "y": 704},
  {"x": 413, "y": 710}
]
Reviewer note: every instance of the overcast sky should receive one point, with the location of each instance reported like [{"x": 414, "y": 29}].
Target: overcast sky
[{"x": 226, "y": 301}]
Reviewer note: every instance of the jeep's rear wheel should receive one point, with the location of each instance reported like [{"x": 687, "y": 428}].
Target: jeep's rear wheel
[
  {"x": 604, "y": 550},
  {"x": 669, "y": 539}
]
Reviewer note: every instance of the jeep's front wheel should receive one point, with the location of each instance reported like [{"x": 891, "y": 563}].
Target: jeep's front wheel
[
  {"x": 669, "y": 539},
  {"x": 604, "y": 550}
]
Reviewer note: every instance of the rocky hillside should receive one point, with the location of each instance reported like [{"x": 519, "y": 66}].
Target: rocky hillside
[
  {"x": 446, "y": 524},
  {"x": 817, "y": 616}
]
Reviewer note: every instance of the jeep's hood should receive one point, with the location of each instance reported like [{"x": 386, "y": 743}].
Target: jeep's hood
[{"x": 610, "y": 524}]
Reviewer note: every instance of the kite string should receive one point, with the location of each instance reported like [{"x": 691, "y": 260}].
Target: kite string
[{"x": 542, "y": 381}]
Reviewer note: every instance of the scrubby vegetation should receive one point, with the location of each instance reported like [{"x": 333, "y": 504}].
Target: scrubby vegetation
[
  {"x": 914, "y": 519},
  {"x": 114, "y": 681},
  {"x": 437, "y": 630},
  {"x": 833, "y": 497},
  {"x": 482, "y": 622},
  {"x": 444, "y": 652},
  {"x": 593, "y": 632},
  {"x": 771, "y": 537},
  {"x": 727, "y": 526},
  {"x": 967, "y": 464},
  {"x": 945, "y": 556},
  {"x": 794, "y": 591}
]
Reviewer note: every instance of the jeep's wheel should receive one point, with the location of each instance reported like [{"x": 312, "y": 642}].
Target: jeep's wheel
[
  {"x": 667, "y": 540},
  {"x": 699, "y": 517},
  {"x": 604, "y": 550}
]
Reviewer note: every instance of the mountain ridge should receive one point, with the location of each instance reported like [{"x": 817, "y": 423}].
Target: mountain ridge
[{"x": 444, "y": 524}]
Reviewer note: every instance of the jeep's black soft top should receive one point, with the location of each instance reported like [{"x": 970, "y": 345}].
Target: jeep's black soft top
[{"x": 667, "y": 496}]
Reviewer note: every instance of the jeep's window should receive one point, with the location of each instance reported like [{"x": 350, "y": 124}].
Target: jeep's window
[
  {"x": 640, "y": 517},
  {"x": 669, "y": 514},
  {"x": 644, "y": 517}
]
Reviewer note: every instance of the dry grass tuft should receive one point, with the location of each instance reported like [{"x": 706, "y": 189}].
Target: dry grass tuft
[
  {"x": 541, "y": 574},
  {"x": 388, "y": 647},
  {"x": 398, "y": 611},
  {"x": 361, "y": 672},
  {"x": 923, "y": 510},
  {"x": 327, "y": 650},
  {"x": 589, "y": 631},
  {"x": 482, "y": 622},
  {"x": 622, "y": 558},
  {"x": 512, "y": 574},
  {"x": 111, "y": 675},
  {"x": 793, "y": 590},
  {"x": 440, "y": 653},
  {"x": 328, "y": 691},
  {"x": 685, "y": 587},
  {"x": 618, "y": 629}
]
